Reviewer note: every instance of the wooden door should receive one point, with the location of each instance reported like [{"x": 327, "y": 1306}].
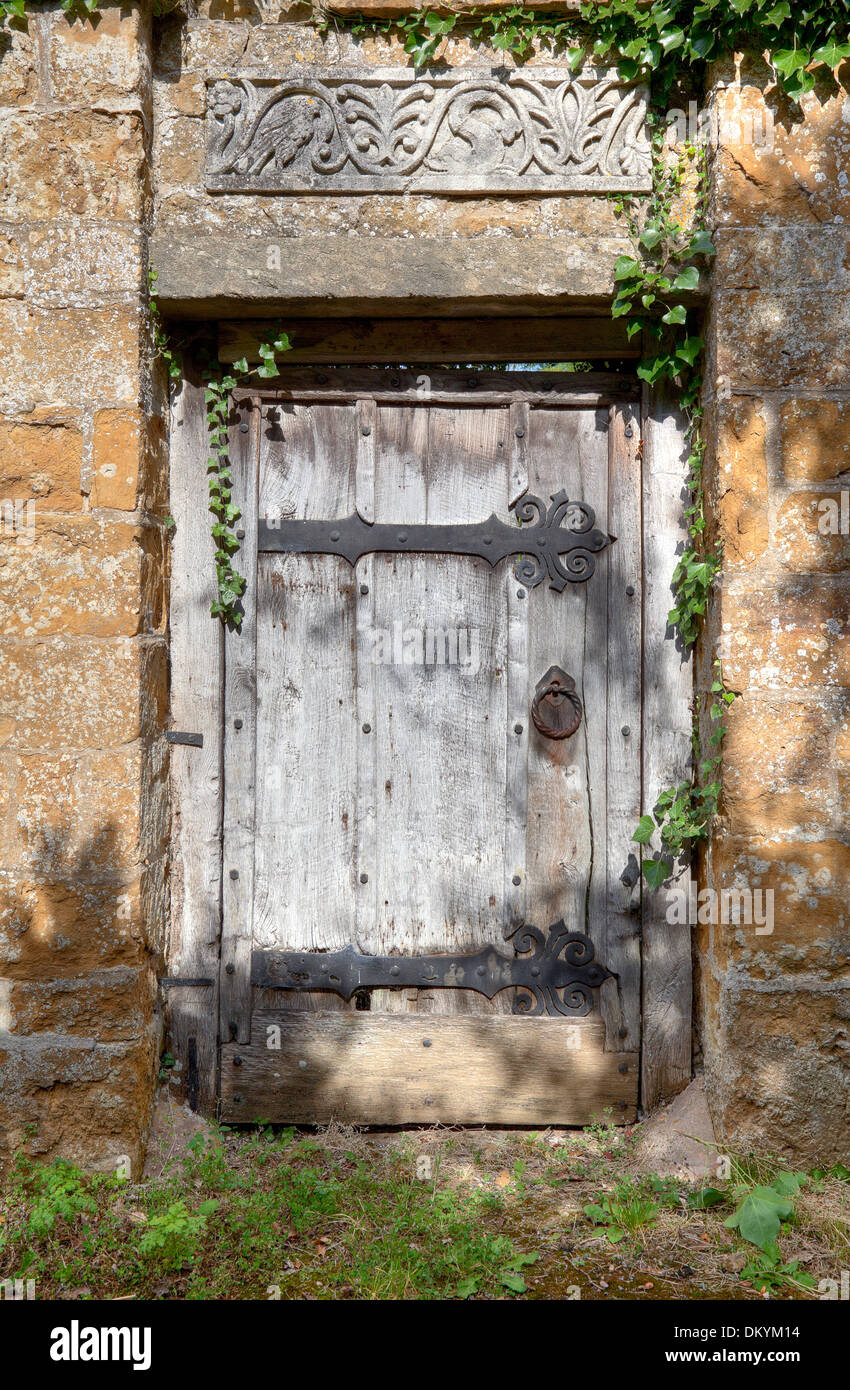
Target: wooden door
[{"x": 385, "y": 788}]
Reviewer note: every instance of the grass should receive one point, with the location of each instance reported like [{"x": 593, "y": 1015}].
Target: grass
[{"x": 436, "y": 1214}]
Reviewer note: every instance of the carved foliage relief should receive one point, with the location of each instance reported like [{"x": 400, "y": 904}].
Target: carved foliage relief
[{"x": 464, "y": 131}]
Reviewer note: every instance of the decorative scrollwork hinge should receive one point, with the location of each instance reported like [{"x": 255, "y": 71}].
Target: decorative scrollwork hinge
[
  {"x": 553, "y": 973},
  {"x": 566, "y": 528}
]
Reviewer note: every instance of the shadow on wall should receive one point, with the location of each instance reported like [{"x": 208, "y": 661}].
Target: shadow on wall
[{"x": 78, "y": 1039}]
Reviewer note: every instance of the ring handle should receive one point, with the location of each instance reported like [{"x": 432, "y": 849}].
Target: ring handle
[{"x": 564, "y": 712}]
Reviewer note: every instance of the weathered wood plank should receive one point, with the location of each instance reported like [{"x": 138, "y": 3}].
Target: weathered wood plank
[
  {"x": 566, "y": 450},
  {"x": 306, "y": 723},
  {"x": 240, "y": 718},
  {"x": 517, "y": 722},
  {"x": 667, "y": 686},
  {"x": 417, "y": 386},
  {"x": 621, "y": 942},
  {"x": 196, "y": 707},
  {"x": 366, "y": 715},
  {"x": 532, "y": 339},
  {"x": 396, "y": 1069}
]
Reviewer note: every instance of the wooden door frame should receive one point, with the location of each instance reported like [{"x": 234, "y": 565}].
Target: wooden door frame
[{"x": 201, "y": 883}]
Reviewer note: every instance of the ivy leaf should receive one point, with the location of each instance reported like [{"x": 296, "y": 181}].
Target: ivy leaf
[
  {"x": 655, "y": 871},
  {"x": 650, "y": 237},
  {"x": 653, "y": 368},
  {"x": 687, "y": 279},
  {"x": 689, "y": 350},
  {"x": 832, "y": 54},
  {"x": 779, "y": 13},
  {"x": 790, "y": 60},
  {"x": 672, "y": 39},
  {"x": 627, "y": 268},
  {"x": 677, "y": 314},
  {"x": 701, "y": 245},
  {"x": 644, "y": 832}
]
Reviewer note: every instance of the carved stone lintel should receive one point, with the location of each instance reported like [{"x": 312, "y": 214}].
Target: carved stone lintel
[{"x": 390, "y": 130}]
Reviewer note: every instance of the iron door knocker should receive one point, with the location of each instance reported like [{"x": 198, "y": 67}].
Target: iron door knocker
[{"x": 562, "y": 709}]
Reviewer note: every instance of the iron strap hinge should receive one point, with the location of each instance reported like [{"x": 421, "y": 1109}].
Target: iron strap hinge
[
  {"x": 566, "y": 528},
  {"x": 191, "y": 740},
  {"x": 553, "y": 972}
]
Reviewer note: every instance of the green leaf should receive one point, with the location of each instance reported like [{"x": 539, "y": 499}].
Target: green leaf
[
  {"x": 514, "y": 1282},
  {"x": 702, "y": 245},
  {"x": 760, "y": 1215},
  {"x": 677, "y": 314},
  {"x": 689, "y": 350},
  {"x": 653, "y": 368},
  {"x": 790, "y": 60},
  {"x": 707, "y": 1197},
  {"x": 655, "y": 871},
  {"x": 779, "y": 13},
  {"x": 687, "y": 279},
  {"x": 831, "y": 53},
  {"x": 645, "y": 830},
  {"x": 627, "y": 268}
]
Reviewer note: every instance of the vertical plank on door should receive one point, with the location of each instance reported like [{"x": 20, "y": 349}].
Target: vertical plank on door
[
  {"x": 517, "y": 724},
  {"x": 667, "y": 694},
  {"x": 366, "y": 655},
  {"x": 620, "y": 1000},
  {"x": 566, "y": 450},
  {"x": 306, "y": 822},
  {"x": 196, "y": 671},
  {"x": 240, "y": 745}
]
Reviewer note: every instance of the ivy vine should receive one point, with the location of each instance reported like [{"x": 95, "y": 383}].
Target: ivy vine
[
  {"x": 218, "y": 386},
  {"x": 662, "y": 40},
  {"x": 13, "y": 13}
]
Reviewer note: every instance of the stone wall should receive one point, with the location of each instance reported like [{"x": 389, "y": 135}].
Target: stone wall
[
  {"x": 776, "y": 1008},
  {"x": 83, "y": 669},
  {"x": 420, "y": 244}
]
